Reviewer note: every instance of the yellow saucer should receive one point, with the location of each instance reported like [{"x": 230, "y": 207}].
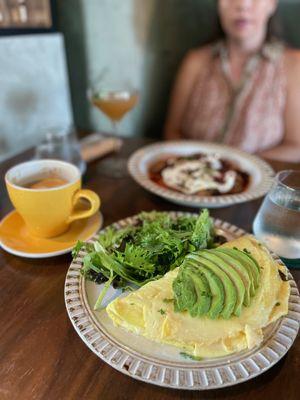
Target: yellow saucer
[{"x": 15, "y": 238}]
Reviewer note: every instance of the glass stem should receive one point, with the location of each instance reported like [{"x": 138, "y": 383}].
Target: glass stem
[{"x": 115, "y": 130}]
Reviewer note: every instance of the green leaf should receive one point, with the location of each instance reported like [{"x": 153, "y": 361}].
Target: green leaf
[
  {"x": 103, "y": 292},
  {"x": 79, "y": 246},
  {"x": 144, "y": 252},
  {"x": 203, "y": 233}
]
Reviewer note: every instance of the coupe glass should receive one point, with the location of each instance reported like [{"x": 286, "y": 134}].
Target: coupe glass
[
  {"x": 277, "y": 222},
  {"x": 115, "y": 97}
]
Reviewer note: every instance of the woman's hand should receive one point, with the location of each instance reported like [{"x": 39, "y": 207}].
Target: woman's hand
[{"x": 284, "y": 152}]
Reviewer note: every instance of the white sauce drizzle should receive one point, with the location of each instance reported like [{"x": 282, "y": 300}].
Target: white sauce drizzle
[{"x": 193, "y": 176}]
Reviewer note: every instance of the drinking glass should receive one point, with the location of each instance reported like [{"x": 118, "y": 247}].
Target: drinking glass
[
  {"x": 61, "y": 144},
  {"x": 277, "y": 222},
  {"x": 115, "y": 97}
]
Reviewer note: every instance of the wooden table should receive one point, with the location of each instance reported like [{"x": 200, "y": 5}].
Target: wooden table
[{"x": 41, "y": 355}]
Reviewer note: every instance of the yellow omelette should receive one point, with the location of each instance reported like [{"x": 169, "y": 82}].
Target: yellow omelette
[{"x": 149, "y": 311}]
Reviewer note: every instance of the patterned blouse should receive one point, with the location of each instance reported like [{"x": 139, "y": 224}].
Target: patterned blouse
[{"x": 249, "y": 116}]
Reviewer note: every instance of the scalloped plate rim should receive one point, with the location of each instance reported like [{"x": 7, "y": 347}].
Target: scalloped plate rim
[
  {"x": 188, "y": 366},
  {"x": 267, "y": 174}
]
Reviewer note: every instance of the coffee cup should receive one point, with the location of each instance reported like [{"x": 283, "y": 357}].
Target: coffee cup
[{"x": 46, "y": 192}]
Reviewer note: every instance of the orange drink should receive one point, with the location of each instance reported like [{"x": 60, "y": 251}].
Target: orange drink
[{"x": 115, "y": 104}]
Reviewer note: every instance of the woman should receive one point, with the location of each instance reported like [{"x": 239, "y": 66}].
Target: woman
[{"x": 244, "y": 90}]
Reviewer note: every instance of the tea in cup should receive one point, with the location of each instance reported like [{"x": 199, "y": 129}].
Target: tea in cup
[{"x": 45, "y": 193}]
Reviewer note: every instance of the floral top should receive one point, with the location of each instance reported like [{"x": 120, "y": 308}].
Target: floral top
[{"x": 249, "y": 116}]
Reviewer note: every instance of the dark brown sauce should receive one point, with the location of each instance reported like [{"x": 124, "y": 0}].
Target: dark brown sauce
[{"x": 241, "y": 184}]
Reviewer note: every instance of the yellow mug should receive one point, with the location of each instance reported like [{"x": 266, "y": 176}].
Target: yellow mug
[{"x": 48, "y": 211}]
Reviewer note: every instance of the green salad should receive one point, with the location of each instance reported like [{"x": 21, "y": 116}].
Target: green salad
[{"x": 145, "y": 251}]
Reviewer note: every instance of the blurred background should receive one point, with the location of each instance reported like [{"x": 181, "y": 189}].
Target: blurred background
[{"x": 51, "y": 52}]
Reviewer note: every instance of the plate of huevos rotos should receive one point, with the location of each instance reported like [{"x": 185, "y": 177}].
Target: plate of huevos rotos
[
  {"x": 182, "y": 300},
  {"x": 200, "y": 174}
]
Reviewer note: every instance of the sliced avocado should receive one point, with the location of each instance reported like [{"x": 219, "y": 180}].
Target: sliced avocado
[
  {"x": 256, "y": 267},
  {"x": 202, "y": 289},
  {"x": 184, "y": 292},
  {"x": 249, "y": 262},
  {"x": 242, "y": 269},
  {"x": 232, "y": 273},
  {"x": 216, "y": 287},
  {"x": 229, "y": 288}
]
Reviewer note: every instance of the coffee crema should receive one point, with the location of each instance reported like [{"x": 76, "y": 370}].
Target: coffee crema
[{"x": 46, "y": 183}]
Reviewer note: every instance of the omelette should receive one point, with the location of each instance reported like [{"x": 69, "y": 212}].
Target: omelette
[{"x": 216, "y": 303}]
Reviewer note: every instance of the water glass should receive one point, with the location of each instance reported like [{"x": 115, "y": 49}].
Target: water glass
[
  {"x": 277, "y": 222},
  {"x": 61, "y": 144}
]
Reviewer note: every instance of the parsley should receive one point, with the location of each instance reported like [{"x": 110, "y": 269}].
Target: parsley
[
  {"x": 162, "y": 311},
  {"x": 190, "y": 356},
  {"x": 277, "y": 304},
  {"x": 168, "y": 301}
]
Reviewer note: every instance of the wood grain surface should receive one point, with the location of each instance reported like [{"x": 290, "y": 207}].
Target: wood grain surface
[{"x": 41, "y": 356}]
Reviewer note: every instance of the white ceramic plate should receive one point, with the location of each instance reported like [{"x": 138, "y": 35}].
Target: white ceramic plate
[
  {"x": 261, "y": 174},
  {"x": 162, "y": 365}
]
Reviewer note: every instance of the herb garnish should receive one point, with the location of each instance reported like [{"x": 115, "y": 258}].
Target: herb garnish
[
  {"x": 143, "y": 252},
  {"x": 190, "y": 356},
  {"x": 162, "y": 311},
  {"x": 246, "y": 251},
  {"x": 168, "y": 301}
]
